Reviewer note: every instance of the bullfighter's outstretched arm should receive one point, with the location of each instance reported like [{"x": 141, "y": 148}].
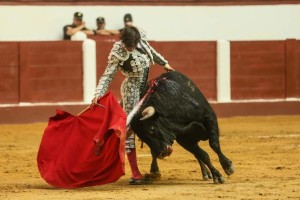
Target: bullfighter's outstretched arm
[
  {"x": 157, "y": 57},
  {"x": 107, "y": 76}
]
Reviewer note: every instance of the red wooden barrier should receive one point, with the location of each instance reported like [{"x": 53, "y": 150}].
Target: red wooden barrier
[
  {"x": 258, "y": 70},
  {"x": 197, "y": 60},
  {"x": 9, "y": 72},
  {"x": 292, "y": 68},
  {"x": 51, "y": 71},
  {"x": 296, "y": 79}
]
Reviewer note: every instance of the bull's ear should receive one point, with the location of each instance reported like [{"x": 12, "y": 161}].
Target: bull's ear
[{"x": 148, "y": 112}]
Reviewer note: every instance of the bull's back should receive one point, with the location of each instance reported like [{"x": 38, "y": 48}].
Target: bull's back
[
  {"x": 188, "y": 85},
  {"x": 178, "y": 97}
]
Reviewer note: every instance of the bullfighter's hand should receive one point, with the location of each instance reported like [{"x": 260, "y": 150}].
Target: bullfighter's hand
[
  {"x": 168, "y": 68},
  {"x": 95, "y": 101}
]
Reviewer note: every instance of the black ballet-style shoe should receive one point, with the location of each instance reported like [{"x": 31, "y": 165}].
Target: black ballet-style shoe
[{"x": 142, "y": 181}]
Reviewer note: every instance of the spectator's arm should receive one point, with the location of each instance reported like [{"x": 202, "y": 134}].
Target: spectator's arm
[
  {"x": 102, "y": 32},
  {"x": 88, "y": 32},
  {"x": 114, "y": 32},
  {"x": 72, "y": 31}
]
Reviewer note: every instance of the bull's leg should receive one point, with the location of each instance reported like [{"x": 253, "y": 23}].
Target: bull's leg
[
  {"x": 191, "y": 132},
  {"x": 154, "y": 170},
  {"x": 205, "y": 171},
  {"x": 154, "y": 165},
  {"x": 214, "y": 143},
  {"x": 201, "y": 156},
  {"x": 225, "y": 162}
]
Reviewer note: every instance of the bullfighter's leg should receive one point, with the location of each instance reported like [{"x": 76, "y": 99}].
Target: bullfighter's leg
[
  {"x": 201, "y": 156},
  {"x": 214, "y": 143},
  {"x": 130, "y": 95}
]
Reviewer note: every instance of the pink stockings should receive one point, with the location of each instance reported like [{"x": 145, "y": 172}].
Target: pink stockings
[{"x": 135, "y": 172}]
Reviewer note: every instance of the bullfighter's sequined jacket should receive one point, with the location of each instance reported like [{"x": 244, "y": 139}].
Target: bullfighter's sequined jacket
[{"x": 134, "y": 63}]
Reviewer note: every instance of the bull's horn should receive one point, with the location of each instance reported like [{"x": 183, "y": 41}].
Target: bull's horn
[{"x": 148, "y": 112}]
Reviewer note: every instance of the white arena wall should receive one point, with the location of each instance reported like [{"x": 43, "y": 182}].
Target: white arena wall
[{"x": 162, "y": 23}]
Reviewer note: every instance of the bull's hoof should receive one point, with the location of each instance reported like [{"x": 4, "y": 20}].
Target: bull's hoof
[
  {"x": 155, "y": 176},
  {"x": 229, "y": 170},
  {"x": 207, "y": 177},
  {"x": 219, "y": 180}
]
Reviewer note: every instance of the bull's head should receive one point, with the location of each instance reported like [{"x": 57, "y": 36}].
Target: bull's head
[
  {"x": 150, "y": 118},
  {"x": 150, "y": 130}
]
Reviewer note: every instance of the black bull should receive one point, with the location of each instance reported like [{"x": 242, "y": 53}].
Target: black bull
[{"x": 174, "y": 109}]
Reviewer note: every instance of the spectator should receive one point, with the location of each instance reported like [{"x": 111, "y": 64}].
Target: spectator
[
  {"x": 101, "y": 28},
  {"x": 78, "y": 25},
  {"x": 127, "y": 21}
]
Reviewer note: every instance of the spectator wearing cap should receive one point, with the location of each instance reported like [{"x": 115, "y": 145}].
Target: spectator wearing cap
[
  {"x": 78, "y": 25},
  {"x": 128, "y": 21},
  {"x": 101, "y": 28}
]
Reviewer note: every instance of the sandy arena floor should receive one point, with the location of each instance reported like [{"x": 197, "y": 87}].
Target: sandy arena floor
[{"x": 265, "y": 152}]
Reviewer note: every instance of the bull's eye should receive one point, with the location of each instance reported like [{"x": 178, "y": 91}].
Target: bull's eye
[{"x": 151, "y": 131}]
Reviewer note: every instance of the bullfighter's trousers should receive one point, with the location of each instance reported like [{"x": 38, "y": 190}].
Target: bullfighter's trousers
[{"x": 130, "y": 92}]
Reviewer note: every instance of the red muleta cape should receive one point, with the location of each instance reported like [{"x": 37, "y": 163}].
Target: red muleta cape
[{"x": 67, "y": 154}]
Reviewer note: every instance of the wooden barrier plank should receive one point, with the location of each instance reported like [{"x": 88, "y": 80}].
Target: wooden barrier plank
[
  {"x": 9, "y": 72},
  {"x": 51, "y": 71},
  {"x": 294, "y": 70},
  {"x": 258, "y": 70},
  {"x": 297, "y": 70},
  {"x": 291, "y": 68},
  {"x": 196, "y": 59}
]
